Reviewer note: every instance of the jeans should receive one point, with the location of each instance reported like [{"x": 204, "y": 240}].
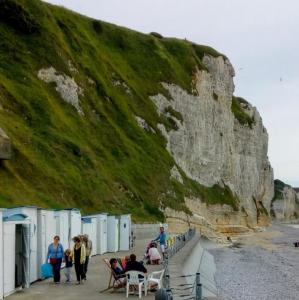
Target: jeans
[
  {"x": 56, "y": 270},
  {"x": 67, "y": 273}
]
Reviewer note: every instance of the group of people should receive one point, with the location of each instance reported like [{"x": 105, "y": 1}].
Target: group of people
[
  {"x": 77, "y": 256},
  {"x": 81, "y": 251},
  {"x": 130, "y": 263}
]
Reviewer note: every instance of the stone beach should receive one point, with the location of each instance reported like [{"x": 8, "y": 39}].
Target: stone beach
[{"x": 260, "y": 266}]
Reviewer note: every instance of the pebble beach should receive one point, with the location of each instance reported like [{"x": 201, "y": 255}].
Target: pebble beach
[{"x": 260, "y": 266}]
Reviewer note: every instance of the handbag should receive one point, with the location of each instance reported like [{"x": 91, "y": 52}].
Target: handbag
[{"x": 46, "y": 270}]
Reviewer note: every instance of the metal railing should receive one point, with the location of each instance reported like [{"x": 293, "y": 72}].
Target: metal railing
[
  {"x": 184, "y": 290},
  {"x": 179, "y": 242}
]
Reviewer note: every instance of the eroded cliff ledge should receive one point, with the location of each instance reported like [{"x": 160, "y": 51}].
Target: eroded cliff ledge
[{"x": 215, "y": 145}]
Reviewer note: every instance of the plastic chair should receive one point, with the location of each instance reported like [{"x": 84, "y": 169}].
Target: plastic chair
[
  {"x": 155, "y": 278},
  {"x": 133, "y": 279}
]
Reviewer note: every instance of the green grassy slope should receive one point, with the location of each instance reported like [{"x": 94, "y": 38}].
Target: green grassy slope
[{"x": 102, "y": 160}]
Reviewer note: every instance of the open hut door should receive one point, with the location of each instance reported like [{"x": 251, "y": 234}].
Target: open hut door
[{"x": 26, "y": 255}]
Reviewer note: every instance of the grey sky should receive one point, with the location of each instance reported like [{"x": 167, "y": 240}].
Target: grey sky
[{"x": 260, "y": 37}]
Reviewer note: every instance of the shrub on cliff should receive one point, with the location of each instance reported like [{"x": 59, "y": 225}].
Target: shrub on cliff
[
  {"x": 239, "y": 113},
  {"x": 157, "y": 35}
]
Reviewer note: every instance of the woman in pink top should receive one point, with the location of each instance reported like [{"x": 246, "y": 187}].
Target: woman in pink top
[{"x": 154, "y": 255}]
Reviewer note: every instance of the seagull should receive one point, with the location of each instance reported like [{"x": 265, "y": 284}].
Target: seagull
[{"x": 280, "y": 79}]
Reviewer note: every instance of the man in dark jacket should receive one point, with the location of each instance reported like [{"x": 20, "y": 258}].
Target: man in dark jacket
[{"x": 133, "y": 265}]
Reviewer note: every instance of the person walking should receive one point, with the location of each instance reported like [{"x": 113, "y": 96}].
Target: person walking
[
  {"x": 55, "y": 256},
  {"x": 88, "y": 246},
  {"x": 68, "y": 265},
  {"x": 79, "y": 256},
  {"x": 162, "y": 239}
]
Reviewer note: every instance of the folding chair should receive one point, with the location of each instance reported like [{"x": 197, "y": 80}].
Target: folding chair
[{"x": 115, "y": 281}]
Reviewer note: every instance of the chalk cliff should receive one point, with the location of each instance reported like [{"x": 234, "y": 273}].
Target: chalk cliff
[
  {"x": 213, "y": 147},
  {"x": 285, "y": 204},
  {"x": 105, "y": 118}
]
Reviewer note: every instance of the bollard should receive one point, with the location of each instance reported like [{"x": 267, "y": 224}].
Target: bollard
[
  {"x": 169, "y": 294},
  {"x": 198, "y": 287},
  {"x": 167, "y": 281},
  {"x": 198, "y": 291},
  {"x": 161, "y": 294}
]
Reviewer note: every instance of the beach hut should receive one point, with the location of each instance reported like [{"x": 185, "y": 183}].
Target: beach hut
[
  {"x": 1, "y": 255},
  {"x": 101, "y": 233},
  {"x": 17, "y": 265},
  {"x": 124, "y": 232},
  {"x": 112, "y": 234},
  {"x": 74, "y": 216},
  {"x": 89, "y": 227},
  {"x": 31, "y": 213},
  {"x": 46, "y": 230},
  {"x": 62, "y": 226}
]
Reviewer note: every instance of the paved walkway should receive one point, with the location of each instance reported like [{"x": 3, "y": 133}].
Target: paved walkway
[{"x": 97, "y": 279}]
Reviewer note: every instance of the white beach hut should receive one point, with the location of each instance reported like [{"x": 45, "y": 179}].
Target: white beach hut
[
  {"x": 17, "y": 236},
  {"x": 89, "y": 227},
  {"x": 101, "y": 233},
  {"x": 1, "y": 255},
  {"x": 31, "y": 213},
  {"x": 46, "y": 230},
  {"x": 74, "y": 216},
  {"x": 62, "y": 226},
  {"x": 112, "y": 234},
  {"x": 124, "y": 232}
]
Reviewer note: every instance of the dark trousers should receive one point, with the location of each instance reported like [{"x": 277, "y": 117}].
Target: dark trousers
[
  {"x": 79, "y": 268},
  {"x": 56, "y": 270},
  {"x": 85, "y": 267}
]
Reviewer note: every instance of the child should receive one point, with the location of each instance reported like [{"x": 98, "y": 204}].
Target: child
[
  {"x": 154, "y": 254},
  {"x": 68, "y": 265}
]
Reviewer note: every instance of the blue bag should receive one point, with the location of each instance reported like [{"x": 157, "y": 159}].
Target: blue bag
[{"x": 47, "y": 270}]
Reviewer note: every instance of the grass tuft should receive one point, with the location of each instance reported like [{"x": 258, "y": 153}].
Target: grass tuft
[{"x": 239, "y": 113}]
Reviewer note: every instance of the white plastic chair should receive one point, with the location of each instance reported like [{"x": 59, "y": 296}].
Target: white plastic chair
[
  {"x": 155, "y": 278},
  {"x": 134, "y": 280}
]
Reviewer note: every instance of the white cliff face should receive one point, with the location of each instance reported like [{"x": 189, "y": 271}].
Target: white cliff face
[
  {"x": 211, "y": 146},
  {"x": 286, "y": 208},
  {"x": 143, "y": 124},
  {"x": 65, "y": 86},
  {"x": 176, "y": 175}
]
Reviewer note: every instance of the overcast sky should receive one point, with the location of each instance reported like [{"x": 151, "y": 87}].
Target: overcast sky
[{"x": 261, "y": 39}]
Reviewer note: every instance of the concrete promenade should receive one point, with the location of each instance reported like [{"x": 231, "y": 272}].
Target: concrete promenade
[
  {"x": 97, "y": 279},
  {"x": 193, "y": 258}
]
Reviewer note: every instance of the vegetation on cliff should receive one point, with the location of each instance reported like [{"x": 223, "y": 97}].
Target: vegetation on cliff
[
  {"x": 240, "y": 114},
  {"x": 278, "y": 189},
  {"x": 101, "y": 160}
]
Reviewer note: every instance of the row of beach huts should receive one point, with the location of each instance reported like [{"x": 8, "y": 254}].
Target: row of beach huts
[{"x": 27, "y": 231}]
